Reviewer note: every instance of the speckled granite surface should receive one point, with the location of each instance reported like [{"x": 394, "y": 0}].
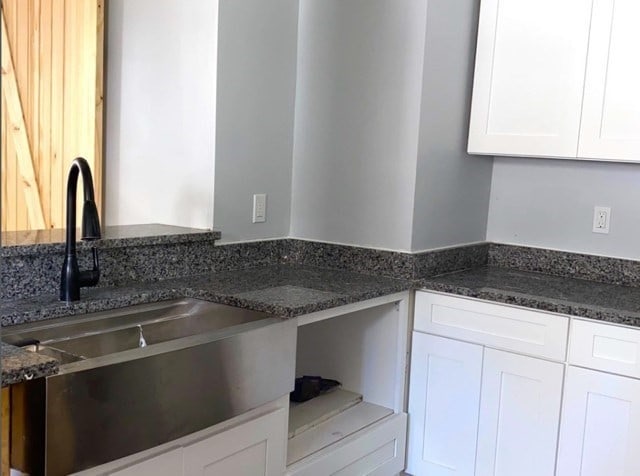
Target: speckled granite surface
[
  {"x": 576, "y": 297},
  {"x": 386, "y": 263},
  {"x": 446, "y": 260},
  {"x": 289, "y": 277},
  {"x": 19, "y": 365},
  {"x": 35, "y": 274},
  {"x": 282, "y": 290},
  {"x": 177, "y": 255},
  {"x": 52, "y": 241},
  {"x": 562, "y": 263}
]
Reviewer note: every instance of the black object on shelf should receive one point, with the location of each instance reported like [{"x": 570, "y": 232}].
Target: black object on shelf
[{"x": 309, "y": 386}]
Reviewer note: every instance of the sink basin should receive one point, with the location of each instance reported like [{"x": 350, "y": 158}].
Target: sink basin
[{"x": 134, "y": 378}]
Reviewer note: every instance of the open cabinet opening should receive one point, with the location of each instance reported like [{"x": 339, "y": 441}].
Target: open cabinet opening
[{"x": 365, "y": 352}]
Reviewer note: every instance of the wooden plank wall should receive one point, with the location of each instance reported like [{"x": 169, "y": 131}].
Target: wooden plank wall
[{"x": 57, "y": 52}]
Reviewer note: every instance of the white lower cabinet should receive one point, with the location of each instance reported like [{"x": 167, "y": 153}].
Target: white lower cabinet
[
  {"x": 254, "y": 448},
  {"x": 600, "y": 430},
  {"x": 365, "y": 348},
  {"x": 519, "y": 415},
  {"x": 479, "y": 411},
  {"x": 444, "y": 400},
  {"x": 485, "y": 394},
  {"x": 257, "y": 448}
]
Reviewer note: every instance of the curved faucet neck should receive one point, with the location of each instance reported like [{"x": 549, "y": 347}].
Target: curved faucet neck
[
  {"x": 72, "y": 279},
  {"x": 78, "y": 166}
]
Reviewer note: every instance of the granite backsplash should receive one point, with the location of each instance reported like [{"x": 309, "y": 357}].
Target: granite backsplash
[{"x": 31, "y": 262}]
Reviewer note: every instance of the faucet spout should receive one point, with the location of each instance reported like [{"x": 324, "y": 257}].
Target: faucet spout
[{"x": 72, "y": 279}]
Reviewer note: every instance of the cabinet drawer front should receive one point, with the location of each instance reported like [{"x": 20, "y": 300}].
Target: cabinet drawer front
[
  {"x": 505, "y": 327},
  {"x": 605, "y": 347},
  {"x": 375, "y": 451}
]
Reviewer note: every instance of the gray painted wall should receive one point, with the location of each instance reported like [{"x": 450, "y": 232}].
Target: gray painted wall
[
  {"x": 549, "y": 203},
  {"x": 255, "y": 106},
  {"x": 452, "y": 188},
  {"x": 356, "y": 124}
]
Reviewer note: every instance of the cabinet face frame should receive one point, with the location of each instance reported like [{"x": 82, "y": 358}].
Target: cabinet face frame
[
  {"x": 365, "y": 346},
  {"x": 403, "y": 302}
]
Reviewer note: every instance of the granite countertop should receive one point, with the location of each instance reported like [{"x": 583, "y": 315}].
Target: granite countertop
[
  {"x": 19, "y": 365},
  {"x": 288, "y": 290},
  {"x": 285, "y": 291},
  {"x": 576, "y": 297}
]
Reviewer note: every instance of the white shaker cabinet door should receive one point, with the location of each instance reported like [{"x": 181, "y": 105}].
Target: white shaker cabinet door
[
  {"x": 519, "y": 415},
  {"x": 444, "y": 396},
  {"x": 600, "y": 431},
  {"x": 529, "y": 77},
  {"x": 611, "y": 110},
  {"x": 256, "y": 448}
]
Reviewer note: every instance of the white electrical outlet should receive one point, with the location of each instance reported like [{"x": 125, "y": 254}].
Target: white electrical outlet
[
  {"x": 259, "y": 208},
  {"x": 601, "y": 219}
]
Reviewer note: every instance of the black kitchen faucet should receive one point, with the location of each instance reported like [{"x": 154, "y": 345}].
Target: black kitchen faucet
[{"x": 72, "y": 278}]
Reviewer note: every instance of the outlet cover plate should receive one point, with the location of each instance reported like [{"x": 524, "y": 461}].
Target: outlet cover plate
[{"x": 601, "y": 219}]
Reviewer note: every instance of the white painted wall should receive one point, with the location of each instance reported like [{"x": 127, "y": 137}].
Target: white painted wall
[
  {"x": 255, "y": 112},
  {"x": 356, "y": 121},
  {"x": 452, "y": 188},
  {"x": 159, "y": 139},
  {"x": 549, "y": 203}
]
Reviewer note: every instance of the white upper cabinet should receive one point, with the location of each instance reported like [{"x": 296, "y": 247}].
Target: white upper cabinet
[
  {"x": 611, "y": 110},
  {"x": 529, "y": 76},
  {"x": 557, "y": 79}
]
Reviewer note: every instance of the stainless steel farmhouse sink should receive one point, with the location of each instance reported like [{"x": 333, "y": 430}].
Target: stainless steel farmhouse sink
[{"x": 137, "y": 377}]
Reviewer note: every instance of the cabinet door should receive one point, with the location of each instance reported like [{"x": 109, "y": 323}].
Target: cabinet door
[
  {"x": 611, "y": 111},
  {"x": 600, "y": 432},
  {"x": 255, "y": 448},
  {"x": 444, "y": 396},
  {"x": 529, "y": 77},
  {"x": 519, "y": 415},
  {"x": 166, "y": 464}
]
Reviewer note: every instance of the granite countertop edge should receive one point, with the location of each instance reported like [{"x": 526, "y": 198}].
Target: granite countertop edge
[{"x": 582, "y": 299}]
